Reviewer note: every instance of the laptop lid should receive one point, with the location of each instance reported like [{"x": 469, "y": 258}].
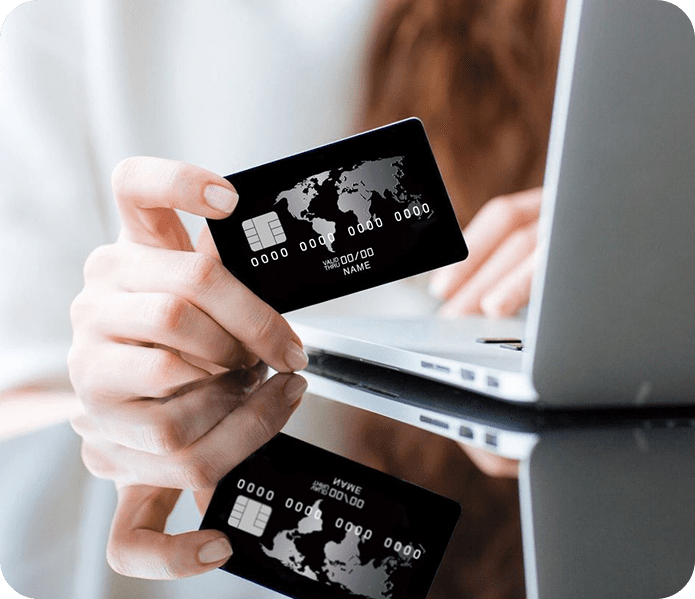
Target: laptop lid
[{"x": 611, "y": 318}]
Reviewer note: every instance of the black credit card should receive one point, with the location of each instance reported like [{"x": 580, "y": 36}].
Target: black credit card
[
  {"x": 308, "y": 523},
  {"x": 341, "y": 218}
]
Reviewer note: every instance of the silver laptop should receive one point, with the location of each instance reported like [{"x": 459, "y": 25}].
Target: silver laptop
[
  {"x": 591, "y": 527},
  {"x": 611, "y": 320}
]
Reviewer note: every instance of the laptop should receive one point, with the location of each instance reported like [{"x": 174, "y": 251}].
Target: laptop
[
  {"x": 611, "y": 318},
  {"x": 591, "y": 527}
]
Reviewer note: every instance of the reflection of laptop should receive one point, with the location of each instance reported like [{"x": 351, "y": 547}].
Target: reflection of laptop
[
  {"x": 591, "y": 527},
  {"x": 507, "y": 430},
  {"x": 611, "y": 319}
]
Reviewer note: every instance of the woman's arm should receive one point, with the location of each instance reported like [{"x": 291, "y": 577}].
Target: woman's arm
[
  {"x": 48, "y": 196},
  {"x": 26, "y": 409}
]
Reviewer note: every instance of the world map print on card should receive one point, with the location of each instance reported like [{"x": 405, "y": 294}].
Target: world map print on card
[{"x": 355, "y": 189}]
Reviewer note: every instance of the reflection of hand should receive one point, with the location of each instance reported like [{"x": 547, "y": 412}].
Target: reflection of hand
[
  {"x": 491, "y": 464},
  {"x": 220, "y": 422},
  {"x": 495, "y": 280},
  {"x": 246, "y": 415}
]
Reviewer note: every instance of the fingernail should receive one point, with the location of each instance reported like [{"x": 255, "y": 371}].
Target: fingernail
[
  {"x": 215, "y": 551},
  {"x": 221, "y": 198},
  {"x": 296, "y": 358},
  {"x": 294, "y": 389}
]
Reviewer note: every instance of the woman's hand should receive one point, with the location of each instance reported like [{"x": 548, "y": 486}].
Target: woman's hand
[
  {"x": 495, "y": 280},
  {"x": 154, "y": 314}
]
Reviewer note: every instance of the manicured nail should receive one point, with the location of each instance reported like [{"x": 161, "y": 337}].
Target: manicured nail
[
  {"x": 215, "y": 551},
  {"x": 296, "y": 358},
  {"x": 294, "y": 389},
  {"x": 221, "y": 198}
]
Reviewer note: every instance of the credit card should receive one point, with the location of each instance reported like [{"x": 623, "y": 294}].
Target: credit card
[
  {"x": 341, "y": 218},
  {"x": 308, "y": 523}
]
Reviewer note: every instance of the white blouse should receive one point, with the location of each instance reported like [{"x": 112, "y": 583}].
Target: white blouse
[{"x": 225, "y": 84}]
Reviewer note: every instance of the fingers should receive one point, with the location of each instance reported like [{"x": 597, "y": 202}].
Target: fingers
[
  {"x": 496, "y": 278},
  {"x": 185, "y": 301},
  {"x": 114, "y": 372},
  {"x": 167, "y": 426},
  {"x": 254, "y": 423},
  {"x": 206, "y": 244},
  {"x": 507, "y": 271},
  {"x": 491, "y": 464},
  {"x": 138, "y": 546},
  {"x": 495, "y": 221},
  {"x": 512, "y": 292},
  {"x": 147, "y": 190},
  {"x": 169, "y": 320},
  {"x": 203, "y": 498},
  {"x": 204, "y": 282},
  {"x": 204, "y": 462}
]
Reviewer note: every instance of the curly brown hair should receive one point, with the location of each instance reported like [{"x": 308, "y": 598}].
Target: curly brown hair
[{"x": 481, "y": 76}]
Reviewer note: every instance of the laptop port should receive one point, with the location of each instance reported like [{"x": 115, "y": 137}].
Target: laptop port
[
  {"x": 437, "y": 367},
  {"x": 434, "y": 421},
  {"x": 491, "y": 439},
  {"x": 493, "y": 381},
  {"x": 467, "y": 375},
  {"x": 466, "y": 432}
]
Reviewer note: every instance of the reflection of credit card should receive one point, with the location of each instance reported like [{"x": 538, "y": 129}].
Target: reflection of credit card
[
  {"x": 308, "y": 523},
  {"x": 354, "y": 214}
]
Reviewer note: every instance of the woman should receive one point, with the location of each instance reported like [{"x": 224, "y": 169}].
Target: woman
[{"x": 467, "y": 154}]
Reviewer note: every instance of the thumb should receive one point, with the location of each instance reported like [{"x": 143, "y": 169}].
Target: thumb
[
  {"x": 148, "y": 191},
  {"x": 139, "y": 547}
]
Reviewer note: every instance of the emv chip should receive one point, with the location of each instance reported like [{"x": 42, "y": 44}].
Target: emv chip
[
  {"x": 264, "y": 231},
  {"x": 249, "y": 515}
]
